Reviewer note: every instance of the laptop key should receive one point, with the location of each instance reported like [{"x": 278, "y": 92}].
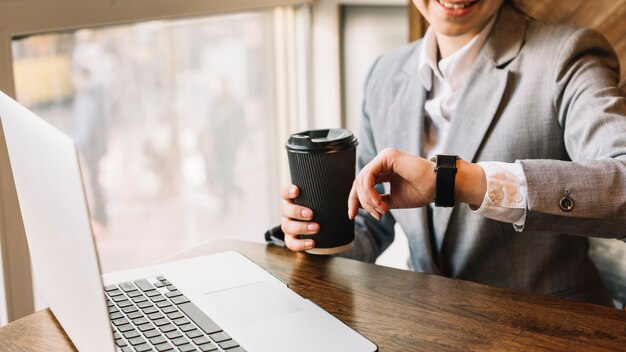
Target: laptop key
[
  {"x": 151, "y": 333},
  {"x": 150, "y": 310},
  {"x": 199, "y": 318},
  {"x": 108, "y": 288},
  {"x": 156, "y": 316},
  {"x": 131, "y": 334},
  {"x": 167, "y": 328},
  {"x": 116, "y": 336},
  {"x": 124, "y": 304},
  {"x": 175, "y": 315},
  {"x": 187, "y": 348},
  {"x": 120, "y": 321},
  {"x": 116, "y": 315},
  {"x": 181, "y": 321},
  {"x": 133, "y": 294},
  {"x": 208, "y": 347},
  {"x": 125, "y": 328},
  {"x": 135, "y": 315},
  {"x": 187, "y": 327},
  {"x": 219, "y": 337},
  {"x": 228, "y": 344},
  {"x": 145, "y": 327},
  {"x": 172, "y": 294},
  {"x": 140, "y": 299},
  {"x": 180, "y": 341},
  {"x": 237, "y": 349},
  {"x": 114, "y": 293},
  {"x": 158, "y": 284},
  {"x": 137, "y": 341},
  {"x": 127, "y": 287},
  {"x": 143, "y": 348},
  {"x": 140, "y": 321},
  {"x": 161, "y": 322},
  {"x": 129, "y": 309},
  {"x": 157, "y": 340},
  {"x": 179, "y": 300},
  {"x": 164, "y": 347},
  {"x": 161, "y": 278},
  {"x": 192, "y": 334},
  {"x": 201, "y": 340},
  {"x": 153, "y": 293},
  {"x": 113, "y": 309},
  {"x": 144, "y": 285},
  {"x": 157, "y": 298},
  {"x": 169, "y": 309},
  {"x": 173, "y": 335},
  {"x": 164, "y": 304}
]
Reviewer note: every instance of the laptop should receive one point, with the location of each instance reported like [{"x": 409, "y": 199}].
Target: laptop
[{"x": 220, "y": 302}]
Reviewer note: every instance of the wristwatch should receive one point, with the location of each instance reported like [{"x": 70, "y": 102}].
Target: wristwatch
[{"x": 445, "y": 172}]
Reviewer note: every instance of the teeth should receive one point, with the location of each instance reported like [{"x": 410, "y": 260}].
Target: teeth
[{"x": 450, "y": 5}]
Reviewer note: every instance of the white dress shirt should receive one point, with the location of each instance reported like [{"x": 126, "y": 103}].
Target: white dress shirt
[{"x": 505, "y": 199}]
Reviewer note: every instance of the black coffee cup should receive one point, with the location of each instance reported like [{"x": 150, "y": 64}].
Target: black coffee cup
[{"x": 322, "y": 165}]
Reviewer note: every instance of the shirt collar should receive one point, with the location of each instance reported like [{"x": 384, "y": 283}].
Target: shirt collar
[{"x": 453, "y": 68}]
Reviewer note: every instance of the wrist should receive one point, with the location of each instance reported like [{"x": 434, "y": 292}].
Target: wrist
[{"x": 470, "y": 183}]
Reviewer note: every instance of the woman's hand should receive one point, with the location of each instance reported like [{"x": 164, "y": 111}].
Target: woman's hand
[
  {"x": 411, "y": 178},
  {"x": 412, "y": 181},
  {"x": 296, "y": 221}
]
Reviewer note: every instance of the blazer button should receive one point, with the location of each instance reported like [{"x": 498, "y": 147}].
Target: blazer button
[{"x": 566, "y": 203}]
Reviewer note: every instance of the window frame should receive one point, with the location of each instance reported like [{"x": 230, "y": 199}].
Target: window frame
[{"x": 27, "y": 17}]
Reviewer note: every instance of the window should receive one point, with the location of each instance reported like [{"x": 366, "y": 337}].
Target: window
[
  {"x": 176, "y": 124},
  {"x": 368, "y": 32}
]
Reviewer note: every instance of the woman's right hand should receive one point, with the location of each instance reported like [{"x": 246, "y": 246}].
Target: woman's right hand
[{"x": 296, "y": 221}]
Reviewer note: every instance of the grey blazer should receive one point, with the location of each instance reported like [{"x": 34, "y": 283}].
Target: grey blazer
[{"x": 545, "y": 95}]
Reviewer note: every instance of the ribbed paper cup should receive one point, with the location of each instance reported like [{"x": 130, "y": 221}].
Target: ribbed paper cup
[{"x": 322, "y": 165}]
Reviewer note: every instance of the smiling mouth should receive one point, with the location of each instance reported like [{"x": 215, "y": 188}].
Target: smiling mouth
[{"x": 456, "y": 5}]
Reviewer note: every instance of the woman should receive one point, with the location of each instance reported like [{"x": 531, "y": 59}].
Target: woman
[{"x": 537, "y": 121}]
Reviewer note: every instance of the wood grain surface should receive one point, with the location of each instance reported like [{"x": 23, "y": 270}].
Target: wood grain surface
[{"x": 399, "y": 310}]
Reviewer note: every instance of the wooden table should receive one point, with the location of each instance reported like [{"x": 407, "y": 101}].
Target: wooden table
[{"x": 399, "y": 310}]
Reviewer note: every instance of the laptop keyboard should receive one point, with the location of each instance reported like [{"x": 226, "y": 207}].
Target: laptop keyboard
[{"x": 152, "y": 315}]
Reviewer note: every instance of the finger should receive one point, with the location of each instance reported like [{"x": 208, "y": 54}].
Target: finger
[
  {"x": 353, "y": 202},
  {"x": 300, "y": 227},
  {"x": 293, "y": 211},
  {"x": 365, "y": 201},
  {"x": 375, "y": 199},
  {"x": 387, "y": 202},
  {"x": 297, "y": 245},
  {"x": 289, "y": 192}
]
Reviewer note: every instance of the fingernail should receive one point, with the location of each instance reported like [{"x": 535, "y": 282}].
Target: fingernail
[
  {"x": 292, "y": 190},
  {"x": 308, "y": 244},
  {"x": 307, "y": 213},
  {"x": 378, "y": 210},
  {"x": 311, "y": 227},
  {"x": 375, "y": 215}
]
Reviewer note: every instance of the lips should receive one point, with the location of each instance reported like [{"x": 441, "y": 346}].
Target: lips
[{"x": 456, "y": 5}]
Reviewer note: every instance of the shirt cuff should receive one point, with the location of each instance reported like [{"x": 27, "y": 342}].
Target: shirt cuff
[{"x": 507, "y": 193}]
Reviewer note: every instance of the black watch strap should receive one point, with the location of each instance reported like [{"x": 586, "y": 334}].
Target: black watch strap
[{"x": 445, "y": 170}]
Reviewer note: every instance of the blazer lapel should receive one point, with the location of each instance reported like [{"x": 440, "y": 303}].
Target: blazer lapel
[
  {"x": 405, "y": 132},
  {"x": 482, "y": 97}
]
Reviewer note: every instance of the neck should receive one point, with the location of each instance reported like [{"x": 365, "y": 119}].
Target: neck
[{"x": 449, "y": 45}]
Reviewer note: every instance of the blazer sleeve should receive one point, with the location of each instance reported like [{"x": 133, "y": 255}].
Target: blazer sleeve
[
  {"x": 372, "y": 237},
  {"x": 591, "y": 110}
]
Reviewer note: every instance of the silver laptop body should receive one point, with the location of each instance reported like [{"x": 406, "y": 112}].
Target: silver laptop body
[{"x": 252, "y": 310}]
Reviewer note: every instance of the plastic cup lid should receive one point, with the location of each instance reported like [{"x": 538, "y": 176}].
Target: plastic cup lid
[{"x": 321, "y": 141}]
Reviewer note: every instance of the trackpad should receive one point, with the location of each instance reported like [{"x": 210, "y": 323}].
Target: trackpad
[{"x": 252, "y": 303}]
